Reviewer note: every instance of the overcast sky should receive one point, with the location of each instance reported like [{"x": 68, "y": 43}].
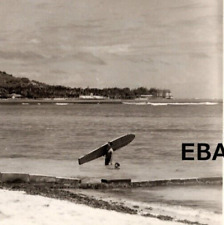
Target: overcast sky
[{"x": 174, "y": 44}]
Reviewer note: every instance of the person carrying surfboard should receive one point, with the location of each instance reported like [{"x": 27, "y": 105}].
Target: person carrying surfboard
[
  {"x": 107, "y": 150},
  {"x": 109, "y": 154}
]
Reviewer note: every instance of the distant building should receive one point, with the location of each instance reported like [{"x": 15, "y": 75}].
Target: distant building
[
  {"x": 164, "y": 94},
  {"x": 14, "y": 95},
  {"x": 91, "y": 96},
  {"x": 146, "y": 96},
  {"x": 168, "y": 95},
  {"x": 59, "y": 99},
  {"x": 160, "y": 93}
]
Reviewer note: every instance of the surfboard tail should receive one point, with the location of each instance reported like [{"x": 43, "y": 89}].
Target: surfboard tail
[{"x": 93, "y": 155}]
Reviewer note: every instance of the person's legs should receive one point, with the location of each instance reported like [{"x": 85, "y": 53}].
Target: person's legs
[{"x": 108, "y": 157}]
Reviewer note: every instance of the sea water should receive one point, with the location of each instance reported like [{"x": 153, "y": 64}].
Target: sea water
[
  {"x": 49, "y": 138},
  {"x": 194, "y": 204}
]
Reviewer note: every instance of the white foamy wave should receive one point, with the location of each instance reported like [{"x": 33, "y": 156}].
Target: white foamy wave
[
  {"x": 170, "y": 103},
  {"x": 135, "y": 103},
  {"x": 25, "y": 103},
  {"x": 58, "y": 103},
  {"x": 157, "y": 104},
  {"x": 193, "y": 103},
  {"x": 187, "y": 213},
  {"x": 177, "y": 212}
]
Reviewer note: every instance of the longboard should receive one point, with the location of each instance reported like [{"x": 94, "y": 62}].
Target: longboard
[{"x": 101, "y": 151}]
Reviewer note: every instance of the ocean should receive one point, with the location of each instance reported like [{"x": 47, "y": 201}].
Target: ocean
[{"x": 49, "y": 138}]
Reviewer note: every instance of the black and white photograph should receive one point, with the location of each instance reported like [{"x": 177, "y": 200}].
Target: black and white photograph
[{"x": 111, "y": 112}]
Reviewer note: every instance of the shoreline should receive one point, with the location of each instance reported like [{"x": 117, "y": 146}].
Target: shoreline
[
  {"x": 46, "y": 190},
  {"x": 18, "y": 207},
  {"x": 90, "y": 199},
  {"x": 89, "y": 194}
]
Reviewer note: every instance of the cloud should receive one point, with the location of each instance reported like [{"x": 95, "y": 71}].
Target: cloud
[
  {"x": 104, "y": 43},
  {"x": 190, "y": 6},
  {"x": 34, "y": 41},
  {"x": 199, "y": 55},
  {"x": 140, "y": 58},
  {"x": 57, "y": 71},
  {"x": 27, "y": 55},
  {"x": 108, "y": 49},
  {"x": 88, "y": 58}
]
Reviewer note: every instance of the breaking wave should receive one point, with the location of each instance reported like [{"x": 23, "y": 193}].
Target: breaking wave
[
  {"x": 170, "y": 103},
  {"x": 58, "y": 103}
]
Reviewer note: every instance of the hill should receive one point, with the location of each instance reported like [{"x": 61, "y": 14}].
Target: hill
[
  {"x": 23, "y": 87},
  {"x": 10, "y": 85}
]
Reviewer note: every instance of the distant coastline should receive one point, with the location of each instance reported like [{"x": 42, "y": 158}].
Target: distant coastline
[
  {"x": 155, "y": 101},
  {"x": 16, "y": 88}
]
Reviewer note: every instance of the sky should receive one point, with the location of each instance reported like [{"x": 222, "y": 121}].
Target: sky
[{"x": 171, "y": 44}]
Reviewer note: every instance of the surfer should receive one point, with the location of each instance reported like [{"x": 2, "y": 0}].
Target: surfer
[
  {"x": 107, "y": 150},
  {"x": 109, "y": 154},
  {"x": 108, "y": 157}
]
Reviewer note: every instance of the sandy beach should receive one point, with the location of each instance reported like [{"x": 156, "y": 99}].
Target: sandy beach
[
  {"x": 17, "y": 207},
  {"x": 49, "y": 203}
]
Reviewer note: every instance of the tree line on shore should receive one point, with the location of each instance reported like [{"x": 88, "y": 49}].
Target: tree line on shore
[{"x": 24, "y": 88}]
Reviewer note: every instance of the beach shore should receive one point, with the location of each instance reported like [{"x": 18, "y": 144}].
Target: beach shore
[
  {"x": 17, "y": 207},
  {"x": 23, "y": 203}
]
